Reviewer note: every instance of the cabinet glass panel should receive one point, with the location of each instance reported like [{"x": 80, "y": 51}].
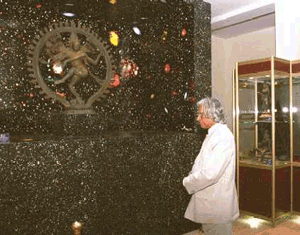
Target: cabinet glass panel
[
  {"x": 296, "y": 136},
  {"x": 246, "y": 118},
  {"x": 296, "y": 120},
  {"x": 282, "y": 147},
  {"x": 282, "y": 119},
  {"x": 263, "y": 98}
]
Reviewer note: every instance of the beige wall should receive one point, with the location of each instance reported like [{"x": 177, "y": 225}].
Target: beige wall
[{"x": 226, "y": 52}]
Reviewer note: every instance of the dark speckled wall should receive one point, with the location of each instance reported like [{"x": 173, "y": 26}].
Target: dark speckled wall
[
  {"x": 118, "y": 165},
  {"x": 119, "y": 184}
]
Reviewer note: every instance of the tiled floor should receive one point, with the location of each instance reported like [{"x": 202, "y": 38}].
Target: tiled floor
[{"x": 262, "y": 227}]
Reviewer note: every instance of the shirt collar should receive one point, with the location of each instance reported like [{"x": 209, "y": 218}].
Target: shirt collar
[{"x": 213, "y": 128}]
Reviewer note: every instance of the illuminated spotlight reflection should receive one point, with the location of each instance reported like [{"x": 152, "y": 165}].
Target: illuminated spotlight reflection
[
  {"x": 69, "y": 14},
  {"x": 69, "y": 8},
  {"x": 57, "y": 68},
  {"x": 296, "y": 219},
  {"x": 285, "y": 109},
  {"x": 294, "y": 109},
  {"x": 136, "y": 29},
  {"x": 254, "y": 222}
]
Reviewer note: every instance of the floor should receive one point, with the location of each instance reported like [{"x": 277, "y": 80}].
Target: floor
[{"x": 247, "y": 225}]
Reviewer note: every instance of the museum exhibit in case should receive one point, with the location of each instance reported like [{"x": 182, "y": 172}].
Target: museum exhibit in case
[{"x": 263, "y": 126}]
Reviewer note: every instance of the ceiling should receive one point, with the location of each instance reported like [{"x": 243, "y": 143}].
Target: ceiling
[{"x": 230, "y": 18}]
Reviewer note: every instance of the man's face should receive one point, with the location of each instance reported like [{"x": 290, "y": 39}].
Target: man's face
[{"x": 204, "y": 122}]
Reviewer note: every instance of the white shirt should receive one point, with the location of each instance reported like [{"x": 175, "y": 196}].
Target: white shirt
[{"x": 212, "y": 179}]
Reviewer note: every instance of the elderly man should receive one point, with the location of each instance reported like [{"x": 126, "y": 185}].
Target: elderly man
[{"x": 211, "y": 182}]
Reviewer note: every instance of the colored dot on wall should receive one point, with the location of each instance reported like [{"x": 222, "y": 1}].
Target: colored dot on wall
[
  {"x": 114, "y": 38},
  {"x": 113, "y": 1},
  {"x": 115, "y": 81},
  {"x": 167, "y": 68},
  {"x": 39, "y": 5},
  {"x": 183, "y": 32},
  {"x": 175, "y": 93}
]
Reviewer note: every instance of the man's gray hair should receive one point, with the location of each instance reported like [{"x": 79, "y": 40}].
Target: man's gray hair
[{"x": 212, "y": 109}]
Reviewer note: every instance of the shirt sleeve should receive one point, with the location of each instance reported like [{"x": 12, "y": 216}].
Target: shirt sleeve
[{"x": 213, "y": 164}]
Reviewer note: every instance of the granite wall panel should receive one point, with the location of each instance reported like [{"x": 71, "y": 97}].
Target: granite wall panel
[
  {"x": 116, "y": 165},
  {"x": 147, "y": 80},
  {"x": 113, "y": 185}
]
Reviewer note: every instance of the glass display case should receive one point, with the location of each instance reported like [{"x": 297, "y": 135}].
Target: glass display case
[
  {"x": 263, "y": 127},
  {"x": 296, "y": 136}
]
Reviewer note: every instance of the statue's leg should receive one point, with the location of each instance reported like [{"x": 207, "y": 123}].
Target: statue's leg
[
  {"x": 72, "y": 84},
  {"x": 96, "y": 79},
  {"x": 69, "y": 75}
]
